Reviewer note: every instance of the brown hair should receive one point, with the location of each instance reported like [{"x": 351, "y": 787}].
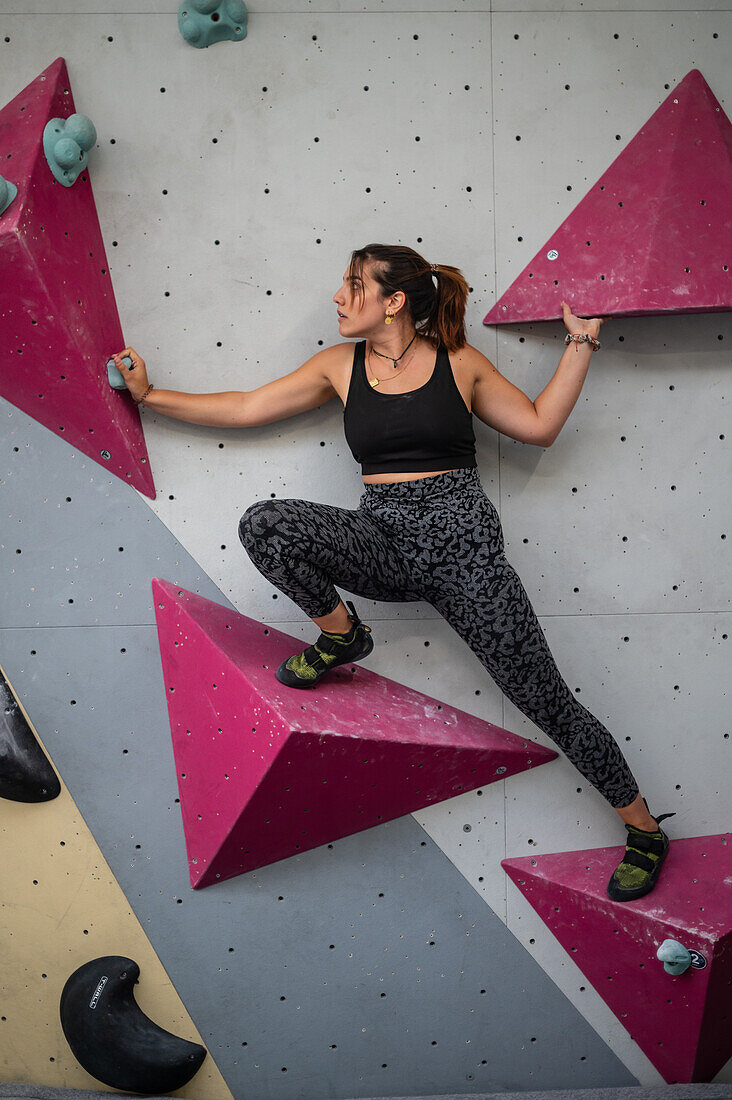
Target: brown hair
[{"x": 436, "y": 305}]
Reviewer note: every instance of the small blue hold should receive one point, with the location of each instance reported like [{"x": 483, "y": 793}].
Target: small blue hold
[
  {"x": 8, "y": 191},
  {"x": 114, "y": 377},
  {"x": 674, "y": 956},
  {"x": 66, "y": 143},
  {"x": 204, "y": 22}
]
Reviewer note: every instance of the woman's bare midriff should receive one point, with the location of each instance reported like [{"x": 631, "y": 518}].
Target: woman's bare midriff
[{"x": 380, "y": 478}]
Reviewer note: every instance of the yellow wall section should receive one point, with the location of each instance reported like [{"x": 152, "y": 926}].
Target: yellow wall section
[{"x": 62, "y": 906}]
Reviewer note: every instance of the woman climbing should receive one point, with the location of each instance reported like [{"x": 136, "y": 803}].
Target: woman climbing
[{"x": 424, "y": 528}]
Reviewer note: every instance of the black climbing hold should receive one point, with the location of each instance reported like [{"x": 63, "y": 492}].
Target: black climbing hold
[
  {"x": 113, "y": 1039},
  {"x": 26, "y": 774}
]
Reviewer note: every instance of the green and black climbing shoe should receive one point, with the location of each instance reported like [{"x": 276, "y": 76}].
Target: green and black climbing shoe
[
  {"x": 304, "y": 670},
  {"x": 636, "y": 875}
]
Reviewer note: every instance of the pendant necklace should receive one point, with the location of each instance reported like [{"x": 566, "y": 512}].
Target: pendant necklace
[{"x": 375, "y": 381}]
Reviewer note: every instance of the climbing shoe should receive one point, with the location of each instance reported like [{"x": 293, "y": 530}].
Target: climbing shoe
[
  {"x": 304, "y": 670},
  {"x": 645, "y": 852}
]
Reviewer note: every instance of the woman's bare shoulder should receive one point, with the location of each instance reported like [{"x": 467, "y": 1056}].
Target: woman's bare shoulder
[
  {"x": 470, "y": 356},
  {"x": 471, "y": 363},
  {"x": 335, "y": 363},
  {"x": 335, "y": 357}
]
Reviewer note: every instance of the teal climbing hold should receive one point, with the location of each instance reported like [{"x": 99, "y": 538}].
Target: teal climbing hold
[
  {"x": 675, "y": 957},
  {"x": 204, "y": 22},
  {"x": 8, "y": 191},
  {"x": 66, "y": 143},
  {"x": 114, "y": 378}
]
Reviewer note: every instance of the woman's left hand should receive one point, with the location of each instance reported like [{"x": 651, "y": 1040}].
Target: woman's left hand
[{"x": 580, "y": 324}]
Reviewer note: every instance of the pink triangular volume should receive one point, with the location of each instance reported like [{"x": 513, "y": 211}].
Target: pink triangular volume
[
  {"x": 58, "y": 316},
  {"x": 266, "y": 771},
  {"x": 653, "y": 235},
  {"x": 682, "y": 1022}
]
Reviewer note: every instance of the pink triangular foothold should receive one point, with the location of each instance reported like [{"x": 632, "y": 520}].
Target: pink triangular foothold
[
  {"x": 652, "y": 235},
  {"x": 682, "y": 1022},
  {"x": 58, "y": 316},
  {"x": 267, "y": 771}
]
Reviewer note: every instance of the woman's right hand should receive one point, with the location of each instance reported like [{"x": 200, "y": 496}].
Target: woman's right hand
[{"x": 135, "y": 377}]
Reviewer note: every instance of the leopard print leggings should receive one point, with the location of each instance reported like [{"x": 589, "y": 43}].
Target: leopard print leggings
[{"x": 437, "y": 539}]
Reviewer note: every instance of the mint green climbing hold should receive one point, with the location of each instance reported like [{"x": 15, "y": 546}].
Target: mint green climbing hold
[
  {"x": 8, "y": 191},
  {"x": 114, "y": 377},
  {"x": 203, "y": 22},
  {"x": 675, "y": 957},
  {"x": 66, "y": 143}
]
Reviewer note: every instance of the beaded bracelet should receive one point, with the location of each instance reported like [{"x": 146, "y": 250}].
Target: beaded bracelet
[
  {"x": 582, "y": 338},
  {"x": 147, "y": 391}
]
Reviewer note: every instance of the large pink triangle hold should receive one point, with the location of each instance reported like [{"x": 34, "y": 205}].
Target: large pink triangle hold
[
  {"x": 653, "y": 235},
  {"x": 267, "y": 771},
  {"x": 682, "y": 1022},
  {"x": 58, "y": 316}
]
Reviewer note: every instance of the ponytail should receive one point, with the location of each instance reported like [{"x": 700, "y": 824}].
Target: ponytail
[
  {"x": 446, "y": 322},
  {"x": 436, "y": 294}
]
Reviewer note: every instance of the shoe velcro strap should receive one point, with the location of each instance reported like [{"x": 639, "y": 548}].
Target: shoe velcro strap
[
  {"x": 313, "y": 658},
  {"x": 647, "y": 842},
  {"x": 326, "y": 643},
  {"x": 637, "y": 859},
  {"x": 326, "y": 657}
]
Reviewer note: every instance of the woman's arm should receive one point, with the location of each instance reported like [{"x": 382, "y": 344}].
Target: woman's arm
[
  {"x": 501, "y": 405},
  {"x": 305, "y": 388},
  {"x": 558, "y": 398}
]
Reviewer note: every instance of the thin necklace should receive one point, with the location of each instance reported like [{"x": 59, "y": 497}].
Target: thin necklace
[{"x": 372, "y": 350}]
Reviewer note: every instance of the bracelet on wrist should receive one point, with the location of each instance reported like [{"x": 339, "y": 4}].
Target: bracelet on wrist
[
  {"x": 144, "y": 395},
  {"x": 581, "y": 338}
]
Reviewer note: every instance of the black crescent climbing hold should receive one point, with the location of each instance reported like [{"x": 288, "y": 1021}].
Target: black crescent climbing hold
[
  {"x": 26, "y": 774},
  {"x": 113, "y": 1039}
]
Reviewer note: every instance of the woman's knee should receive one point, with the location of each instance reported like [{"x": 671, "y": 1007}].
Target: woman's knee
[
  {"x": 268, "y": 520},
  {"x": 250, "y": 522}
]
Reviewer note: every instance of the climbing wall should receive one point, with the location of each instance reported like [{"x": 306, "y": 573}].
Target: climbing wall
[{"x": 230, "y": 186}]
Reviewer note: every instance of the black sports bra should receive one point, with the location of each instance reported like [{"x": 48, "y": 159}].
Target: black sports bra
[{"x": 424, "y": 429}]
